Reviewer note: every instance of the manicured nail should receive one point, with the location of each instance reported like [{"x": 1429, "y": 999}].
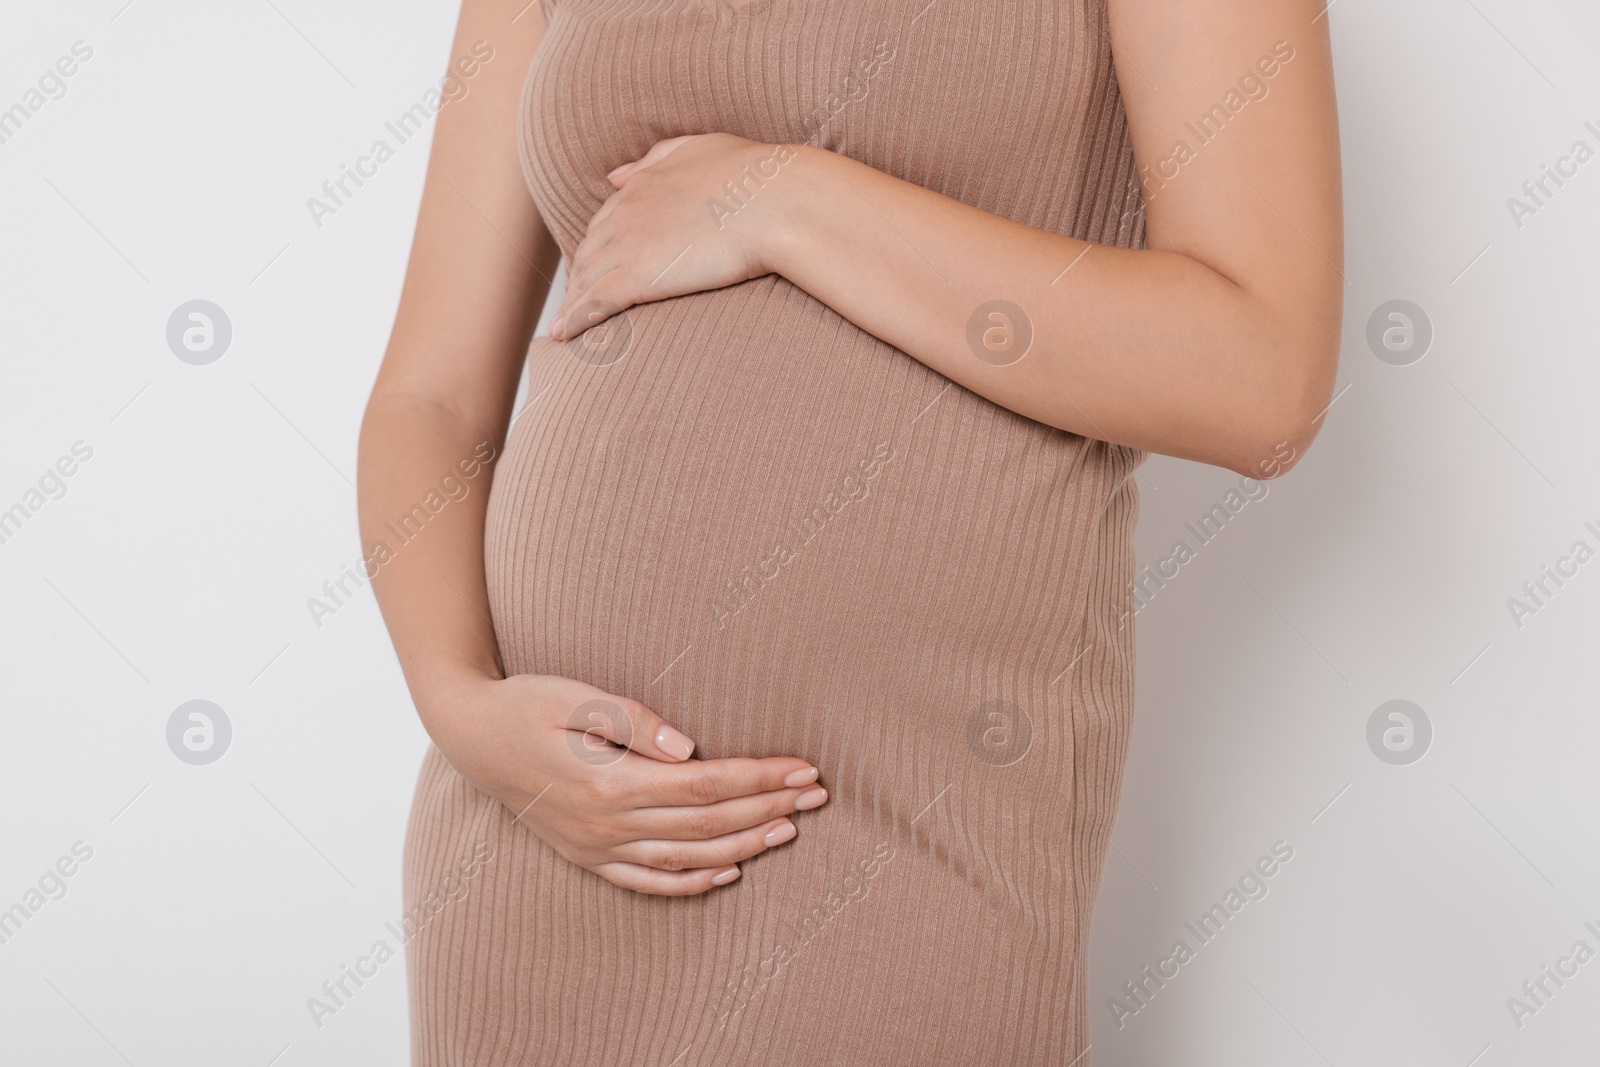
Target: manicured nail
[
  {"x": 797, "y": 778},
  {"x": 811, "y": 798},
  {"x": 673, "y": 743},
  {"x": 726, "y": 876},
  {"x": 784, "y": 831},
  {"x": 555, "y": 328}
]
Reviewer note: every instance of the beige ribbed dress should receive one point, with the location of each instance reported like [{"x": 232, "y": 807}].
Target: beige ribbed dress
[{"x": 790, "y": 538}]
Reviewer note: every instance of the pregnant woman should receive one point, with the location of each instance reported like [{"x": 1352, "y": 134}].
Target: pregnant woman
[{"x": 780, "y": 687}]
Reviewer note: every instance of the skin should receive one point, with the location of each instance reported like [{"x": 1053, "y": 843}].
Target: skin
[
  {"x": 1217, "y": 342},
  {"x": 481, "y": 261}
]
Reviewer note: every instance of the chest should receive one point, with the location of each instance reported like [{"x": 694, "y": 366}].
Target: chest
[{"x": 940, "y": 93}]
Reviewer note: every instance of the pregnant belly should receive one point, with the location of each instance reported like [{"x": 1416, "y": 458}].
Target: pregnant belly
[{"x": 767, "y": 524}]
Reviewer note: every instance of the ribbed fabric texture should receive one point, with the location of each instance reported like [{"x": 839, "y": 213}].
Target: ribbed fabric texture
[{"x": 788, "y": 537}]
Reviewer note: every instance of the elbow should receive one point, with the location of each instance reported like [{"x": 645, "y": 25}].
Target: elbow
[
  {"x": 1274, "y": 432},
  {"x": 1267, "y": 455},
  {"x": 1275, "y": 445}
]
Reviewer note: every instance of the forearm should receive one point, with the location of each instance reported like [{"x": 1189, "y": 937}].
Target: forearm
[
  {"x": 433, "y": 432},
  {"x": 477, "y": 278},
  {"x": 1147, "y": 348},
  {"x": 427, "y": 566}
]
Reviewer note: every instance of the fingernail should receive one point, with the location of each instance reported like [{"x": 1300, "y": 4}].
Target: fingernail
[
  {"x": 555, "y": 329},
  {"x": 784, "y": 831},
  {"x": 674, "y": 743},
  {"x": 726, "y": 876},
  {"x": 811, "y": 798},
  {"x": 805, "y": 777}
]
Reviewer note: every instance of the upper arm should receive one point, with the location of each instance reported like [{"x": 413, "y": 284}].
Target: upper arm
[
  {"x": 1231, "y": 108},
  {"x": 481, "y": 258}
]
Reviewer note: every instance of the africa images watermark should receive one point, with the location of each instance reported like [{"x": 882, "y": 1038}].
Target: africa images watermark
[
  {"x": 51, "y": 485},
  {"x": 1538, "y": 192},
  {"x": 752, "y": 979},
  {"x": 50, "y": 886},
  {"x": 1137, "y": 993},
  {"x": 853, "y": 487},
  {"x": 1536, "y": 992},
  {"x": 453, "y": 88},
  {"x": 452, "y": 888},
  {"x": 51, "y": 85},
  {"x": 852, "y": 88},
  {"x": 1252, "y": 87},
  {"x": 339, "y": 591},
  {"x": 1538, "y": 591},
  {"x": 1153, "y": 577}
]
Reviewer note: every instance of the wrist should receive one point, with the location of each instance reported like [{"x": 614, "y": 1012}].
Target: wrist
[
  {"x": 788, "y": 227},
  {"x": 441, "y": 690}
]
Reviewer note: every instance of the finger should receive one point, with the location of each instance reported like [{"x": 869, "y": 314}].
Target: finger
[
  {"x": 642, "y": 879},
  {"x": 605, "y": 212},
  {"x": 581, "y": 267},
  {"x": 591, "y": 264},
  {"x": 586, "y": 312},
  {"x": 670, "y": 855},
  {"x": 590, "y": 307},
  {"x": 578, "y": 267},
  {"x": 635, "y": 727},
  {"x": 706, "y": 822},
  {"x": 660, "y": 151},
  {"x": 619, "y": 177},
  {"x": 702, "y": 782}
]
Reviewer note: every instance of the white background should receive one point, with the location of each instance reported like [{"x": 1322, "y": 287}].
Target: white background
[{"x": 218, "y": 498}]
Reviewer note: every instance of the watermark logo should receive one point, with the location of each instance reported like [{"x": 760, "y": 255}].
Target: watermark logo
[
  {"x": 1399, "y": 732},
  {"x": 608, "y": 341},
  {"x": 999, "y": 733},
  {"x": 590, "y": 729},
  {"x": 999, "y": 333},
  {"x": 1399, "y": 332},
  {"x": 199, "y": 332},
  {"x": 198, "y": 732}
]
